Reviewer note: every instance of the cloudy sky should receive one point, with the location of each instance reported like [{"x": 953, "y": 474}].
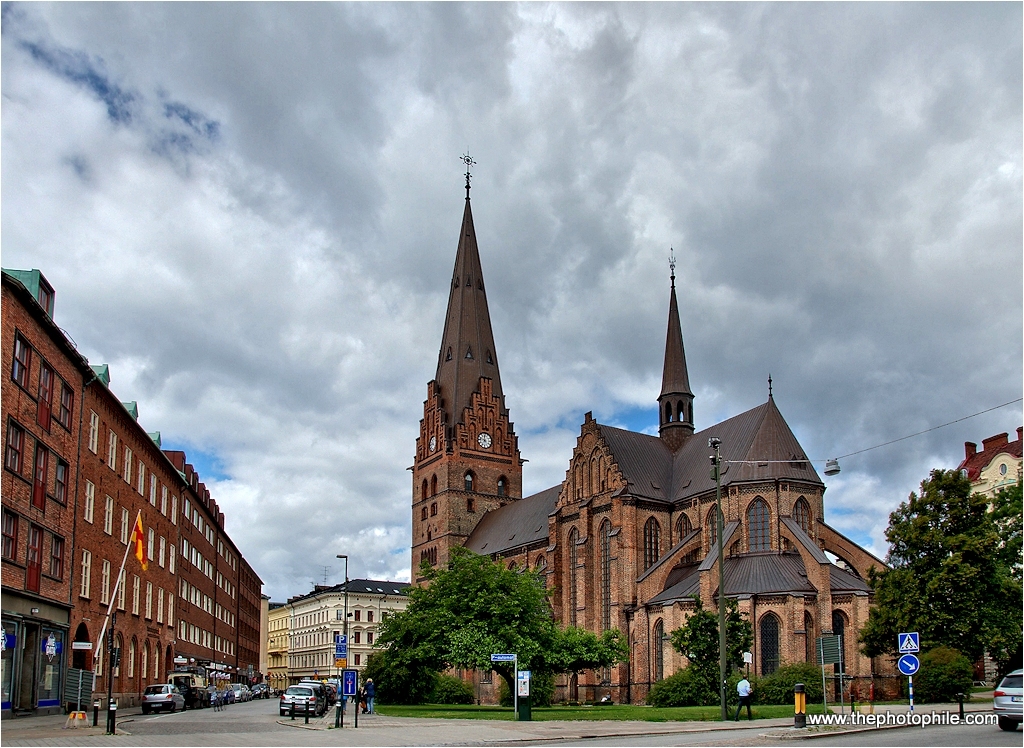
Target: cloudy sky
[{"x": 251, "y": 211}]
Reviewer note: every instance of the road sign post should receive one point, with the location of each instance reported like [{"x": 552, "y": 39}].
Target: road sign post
[
  {"x": 908, "y": 643},
  {"x": 514, "y": 659}
]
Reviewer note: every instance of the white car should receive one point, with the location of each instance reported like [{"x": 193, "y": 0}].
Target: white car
[
  {"x": 1008, "y": 701},
  {"x": 162, "y": 696}
]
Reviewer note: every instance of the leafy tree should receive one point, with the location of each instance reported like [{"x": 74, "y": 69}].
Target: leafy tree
[
  {"x": 475, "y": 608},
  {"x": 697, "y": 639},
  {"x": 946, "y": 578},
  {"x": 1007, "y": 515},
  {"x": 399, "y": 681}
]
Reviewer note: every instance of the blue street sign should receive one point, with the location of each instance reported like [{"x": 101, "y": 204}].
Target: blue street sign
[
  {"x": 909, "y": 642},
  {"x": 909, "y": 664},
  {"x": 348, "y": 683},
  {"x": 341, "y": 648},
  {"x": 503, "y": 658}
]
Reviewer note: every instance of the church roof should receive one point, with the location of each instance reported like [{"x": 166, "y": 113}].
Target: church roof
[
  {"x": 514, "y": 525},
  {"x": 756, "y": 445},
  {"x": 467, "y": 345},
  {"x": 757, "y": 574}
]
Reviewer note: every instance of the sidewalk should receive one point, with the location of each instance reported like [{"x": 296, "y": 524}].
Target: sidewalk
[{"x": 52, "y": 725}]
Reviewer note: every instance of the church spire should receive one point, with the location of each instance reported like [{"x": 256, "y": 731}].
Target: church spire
[
  {"x": 675, "y": 403},
  {"x": 467, "y": 345}
]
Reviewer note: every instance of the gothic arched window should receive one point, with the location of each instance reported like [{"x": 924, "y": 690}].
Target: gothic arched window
[
  {"x": 802, "y": 514},
  {"x": 469, "y": 481},
  {"x": 758, "y": 524},
  {"x": 574, "y": 536},
  {"x": 433, "y": 509},
  {"x": 423, "y": 494},
  {"x": 502, "y": 484},
  {"x": 433, "y": 485},
  {"x": 683, "y": 527},
  {"x": 668, "y": 412},
  {"x": 542, "y": 569},
  {"x": 658, "y": 644},
  {"x": 711, "y": 521},
  {"x": 605, "y": 537},
  {"x": 652, "y": 543},
  {"x": 809, "y": 637},
  {"x": 769, "y": 644}
]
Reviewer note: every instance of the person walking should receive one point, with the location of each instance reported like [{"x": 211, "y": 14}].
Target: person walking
[
  {"x": 743, "y": 689},
  {"x": 371, "y": 691}
]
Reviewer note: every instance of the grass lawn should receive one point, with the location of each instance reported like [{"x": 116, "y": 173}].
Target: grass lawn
[{"x": 615, "y": 712}]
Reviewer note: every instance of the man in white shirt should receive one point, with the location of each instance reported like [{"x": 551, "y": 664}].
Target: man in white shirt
[{"x": 743, "y": 689}]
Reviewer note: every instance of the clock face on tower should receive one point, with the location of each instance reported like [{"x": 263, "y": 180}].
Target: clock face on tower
[
  {"x": 484, "y": 440},
  {"x": 433, "y": 443}
]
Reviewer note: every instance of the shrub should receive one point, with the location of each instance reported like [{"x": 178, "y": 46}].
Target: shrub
[
  {"x": 944, "y": 673},
  {"x": 451, "y": 690},
  {"x": 687, "y": 687},
  {"x": 777, "y": 688}
]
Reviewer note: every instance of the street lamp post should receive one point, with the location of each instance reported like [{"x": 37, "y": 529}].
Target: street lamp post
[
  {"x": 345, "y": 625},
  {"x": 716, "y": 461}
]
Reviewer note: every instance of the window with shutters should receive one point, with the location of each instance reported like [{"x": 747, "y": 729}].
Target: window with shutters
[
  {"x": 10, "y": 528},
  {"x": 35, "y": 558},
  {"x": 14, "y": 454},
  {"x": 39, "y": 476},
  {"x": 44, "y": 405}
]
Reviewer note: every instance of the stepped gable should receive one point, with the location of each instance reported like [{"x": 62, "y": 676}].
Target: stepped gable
[{"x": 514, "y": 525}]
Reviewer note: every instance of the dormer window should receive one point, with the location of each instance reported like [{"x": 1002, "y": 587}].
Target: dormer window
[
  {"x": 490, "y": 359},
  {"x": 469, "y": 352},
  {"x": 448, "y": 355}
]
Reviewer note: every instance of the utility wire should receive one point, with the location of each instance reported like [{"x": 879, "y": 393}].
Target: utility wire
[{"x": 884, "y": 444}]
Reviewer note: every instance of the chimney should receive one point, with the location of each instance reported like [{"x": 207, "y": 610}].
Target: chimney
[
  {"x": 970, "y": 449},
  {"x": 1020, "y": 433},
  {"x": 993, "y": 442}
]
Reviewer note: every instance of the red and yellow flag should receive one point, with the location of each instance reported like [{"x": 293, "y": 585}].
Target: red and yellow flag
[{"x": 139, "y": 538}]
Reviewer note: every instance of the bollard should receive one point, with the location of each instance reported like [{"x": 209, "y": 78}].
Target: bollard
[
  {"x": 306, "y": 712},
  {"x": 292, "y": 709},
  {"x": 337, "y": 713},
  {"x": 112, "y": 717},
  {"x": 95, "y": 712},
  {"x": 799, "y": 706},
  {"x": 960, "y": 700}
]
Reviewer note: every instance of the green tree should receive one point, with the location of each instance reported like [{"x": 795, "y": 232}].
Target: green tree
[
  {"x": 697, "y": 639},
  {"x": 475, "y": 608},
  {"x": 1006, "y": 513},
  {"x": 946, "y": 577}
]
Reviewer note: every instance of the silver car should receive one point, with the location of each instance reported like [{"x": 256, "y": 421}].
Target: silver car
[
  {"x": 303, "y": 697},
  {"x": 1008, "y": 701},
  {"x": 160, "y": 697}
]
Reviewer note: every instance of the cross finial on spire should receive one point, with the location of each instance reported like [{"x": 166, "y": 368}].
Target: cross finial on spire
[
  {"x": 769, "y": 386},
  {"x": 468, "y": 161},
  {"x": 672, "y": 265}
]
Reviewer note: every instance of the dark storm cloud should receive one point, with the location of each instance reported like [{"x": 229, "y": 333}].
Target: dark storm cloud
[{"x": 261, "y": 246}]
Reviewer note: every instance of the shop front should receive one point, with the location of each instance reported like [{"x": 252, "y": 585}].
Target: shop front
[{"x": 33, "y": 649}]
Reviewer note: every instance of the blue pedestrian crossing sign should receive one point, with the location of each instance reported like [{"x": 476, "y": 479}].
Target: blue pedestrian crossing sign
[
  {"x": 909, "y": 642},
  {"x": 908, "y": 664}
]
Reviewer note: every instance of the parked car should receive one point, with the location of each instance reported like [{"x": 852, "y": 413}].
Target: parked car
[
  {"x": 228, "y": 695},
  {"x": 261, "y": 691},
  {"x": 242, "y": 692},
  {"x": 162, "y": 697},
  {"x": 1008, "y": 701},
  {"x": 303, "y": 696}
]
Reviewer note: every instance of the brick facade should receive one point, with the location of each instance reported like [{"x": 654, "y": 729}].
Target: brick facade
[{"x": 69, "y": 523}]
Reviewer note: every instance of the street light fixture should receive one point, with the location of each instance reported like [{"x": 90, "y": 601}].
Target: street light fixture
[{"x": 716, "y": 472}]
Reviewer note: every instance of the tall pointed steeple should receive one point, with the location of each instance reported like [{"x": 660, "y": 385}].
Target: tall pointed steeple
[
  {"x": 675, "y": 403},
  {"x": 467, "y": 345},
  {"x": 467, "y": 454}
]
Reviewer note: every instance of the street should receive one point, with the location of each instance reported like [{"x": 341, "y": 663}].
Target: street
[{"x": 258, "y": 723}]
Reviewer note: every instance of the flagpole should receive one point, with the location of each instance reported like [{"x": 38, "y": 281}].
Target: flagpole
[{"x": 113, "y": 597}]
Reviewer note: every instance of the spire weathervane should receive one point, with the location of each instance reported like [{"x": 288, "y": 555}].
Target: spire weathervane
[
  {"x": 769, "y": 386},
  {"x": 672, "y": 265},
  {"x": 468, "y": 161}
]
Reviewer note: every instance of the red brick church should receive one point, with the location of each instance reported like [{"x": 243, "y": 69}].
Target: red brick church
[{"x": 628, "y": 538}]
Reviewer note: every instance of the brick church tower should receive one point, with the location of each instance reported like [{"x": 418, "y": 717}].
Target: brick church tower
[{"x": 467, "y": 454}]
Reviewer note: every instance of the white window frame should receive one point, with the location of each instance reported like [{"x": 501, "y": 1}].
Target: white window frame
[
  {"x": 94, "y": 432},
  {"x": 108, "y": 516},
  {"x": 112, "y": 451},
  {"x": 86, "y": 585},
  {"x": 125, "y": 519},
  {"x": 105, "y": 583},
  {"x": 90, "y": 501},
  {"x": 136, "y": 586}
]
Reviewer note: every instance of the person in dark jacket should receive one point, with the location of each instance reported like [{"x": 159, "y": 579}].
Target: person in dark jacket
[{"x": 370, "y": 691}]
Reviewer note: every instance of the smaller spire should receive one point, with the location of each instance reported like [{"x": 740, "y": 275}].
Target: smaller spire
[
  {"x": 468, "y": 161},
  {"x": 769, "y": 385}
]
